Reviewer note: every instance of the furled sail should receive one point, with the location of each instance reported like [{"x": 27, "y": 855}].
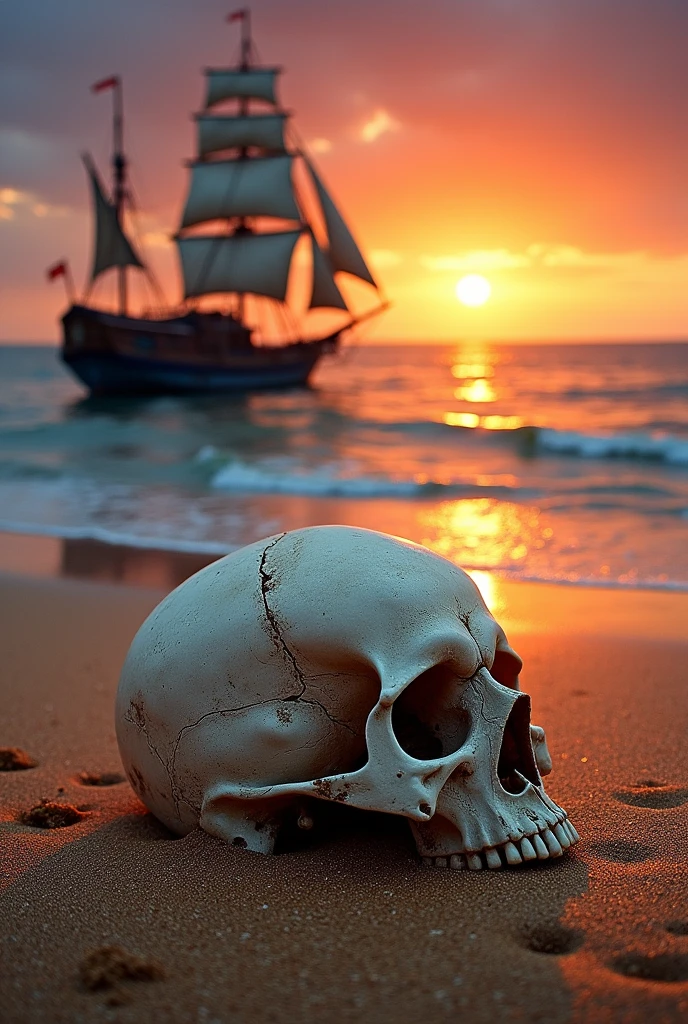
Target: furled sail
[
  {"x": 343, "y": 252},
  {"x": 112, "y": 247},
  {"x": 325, "y": 292},
  {"x": 216, "y": 133},
  {"x": 256, "y": 187},
  {"x": 233, "y": 84},
  {"x": 237, "y": 263}
]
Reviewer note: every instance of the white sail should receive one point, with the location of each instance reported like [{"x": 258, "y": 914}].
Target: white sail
[
  {"x": 343, "y": 252},
  {"x": 237, "y": 263},
  {"x": 216, "y": 133},
  {"x": 325, "y": 292},
  {"x": 112, "y": 247},
  {"x": 253, "y": 187},
  {"x": 232, "y": 84}
]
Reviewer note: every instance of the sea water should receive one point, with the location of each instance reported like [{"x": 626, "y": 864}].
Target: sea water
[{"x": 562, "y": 463}]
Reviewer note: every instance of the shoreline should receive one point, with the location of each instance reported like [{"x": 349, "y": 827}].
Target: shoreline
[{"x": 522, "y": 606}]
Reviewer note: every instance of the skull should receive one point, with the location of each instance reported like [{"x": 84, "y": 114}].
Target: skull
[{"x": 345, "y": 665}]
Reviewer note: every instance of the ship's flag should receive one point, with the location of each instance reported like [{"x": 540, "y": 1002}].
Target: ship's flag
[
  {"x": 57, "y": 270},
  {"x": 237, "y": 15},
  {"x": 62, "y": 270},
  {"x": 105, "y": 83}
]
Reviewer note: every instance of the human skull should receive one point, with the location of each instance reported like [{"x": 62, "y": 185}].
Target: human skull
[{"x": 345, "y": 665}]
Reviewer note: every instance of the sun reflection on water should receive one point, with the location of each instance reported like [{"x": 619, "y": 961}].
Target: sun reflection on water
[
  {"x": 475, "y": 370},
  {"x": 478, "y": 390},
  {"x": 472, "y": 420},
  {"x": 483, "y": 534},
  {"x": 475, "y": 364}
]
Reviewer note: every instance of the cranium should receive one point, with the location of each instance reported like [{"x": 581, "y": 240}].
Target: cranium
[{"x": 344, "y": 665}]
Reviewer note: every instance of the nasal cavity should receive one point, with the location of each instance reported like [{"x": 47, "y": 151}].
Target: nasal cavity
[
  {"x": 516, "y": 765},
  {"x": 428, "y": 718}
]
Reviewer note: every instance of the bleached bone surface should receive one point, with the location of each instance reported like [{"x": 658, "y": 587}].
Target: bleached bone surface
[{"x": 345, "y": 665}]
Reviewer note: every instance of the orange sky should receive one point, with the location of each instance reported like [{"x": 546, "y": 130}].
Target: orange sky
[{"x": 539, "y": 142}]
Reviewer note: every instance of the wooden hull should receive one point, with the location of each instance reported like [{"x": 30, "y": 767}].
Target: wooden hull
[{"x": 198, "y": 353}]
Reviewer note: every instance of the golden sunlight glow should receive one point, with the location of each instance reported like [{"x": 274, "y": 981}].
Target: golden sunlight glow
[
  {"x": 473, "y": 290},
  {"x": 472, "y": 420},
  {"x": 479, "y": 390},
  {"x": 483, "y": 533},
  {"x": 462, "y": 370},
  {"x": 462, "y": 419},
  {"x": 488, "y": 585}
]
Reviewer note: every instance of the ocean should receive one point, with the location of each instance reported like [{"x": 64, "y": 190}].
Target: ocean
[{"x": 560, "y": 463}]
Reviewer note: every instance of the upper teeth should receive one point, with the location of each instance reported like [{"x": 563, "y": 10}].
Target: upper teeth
[{"x": 549, "y": 842}]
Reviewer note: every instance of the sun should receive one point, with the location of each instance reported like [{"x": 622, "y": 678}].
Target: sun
[{"x": 473, "y": 290}]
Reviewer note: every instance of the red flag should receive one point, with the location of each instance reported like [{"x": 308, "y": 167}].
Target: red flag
[
  {"x": 105, "y": 83},
  {"x": 57, "y": 270},
  {"x": 237, "y": 15}
]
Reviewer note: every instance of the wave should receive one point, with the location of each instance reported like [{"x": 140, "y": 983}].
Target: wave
[
  {"x": 667, "y": 449},
  {"x": 236, "y": 477},
  {"x": 322, "y": 482},
  {"x": 327, "y": 482},
  {"x": 116, "y": 538},
  {"x": 532, "y": 439},
  {"x": 180, "y": 545},
  {"x": 627, "y": 393}
]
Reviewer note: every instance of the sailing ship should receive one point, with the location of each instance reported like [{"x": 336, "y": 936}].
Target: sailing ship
[{"x": 247, "y": 214}]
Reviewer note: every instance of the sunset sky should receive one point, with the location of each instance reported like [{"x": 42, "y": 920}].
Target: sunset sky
[{"x": 541, "y": 143}]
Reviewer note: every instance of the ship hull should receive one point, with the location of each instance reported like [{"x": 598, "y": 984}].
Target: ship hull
[{"x": 193, "y": 354}]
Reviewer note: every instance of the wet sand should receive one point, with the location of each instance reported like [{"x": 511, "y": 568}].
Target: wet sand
[{"x": 350, "y": 927}]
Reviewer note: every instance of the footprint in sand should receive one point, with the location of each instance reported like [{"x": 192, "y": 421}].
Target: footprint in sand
[
  {"x": 671, "y": 967},
  {"x": 108, "y": 967},
  {"x": 551, "y": 939},
  {"x": 48, "y": 814},
  {"x": 13, "y": 759},
  {"x": 650, "y": 793},
  {"x": 622, "y": 851},
  {"x": 99, "y": 778}
]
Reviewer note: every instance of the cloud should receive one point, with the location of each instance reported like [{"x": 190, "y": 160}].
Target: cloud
[
  {"x": 379, "y": 124},
  {"x": 383, "y": 258},
  {"x": 12, "y": 196},
  {"x": 572, "y": 256},
  {"x": 540, "y": 255},
  {"x": 477, "y": 259},
  {"x": 13, "y": 201}
]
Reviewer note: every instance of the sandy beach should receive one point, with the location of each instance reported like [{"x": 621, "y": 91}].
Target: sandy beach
[
  {"x": 418, "y": 272},
  {"x": 351, "y": 926}
]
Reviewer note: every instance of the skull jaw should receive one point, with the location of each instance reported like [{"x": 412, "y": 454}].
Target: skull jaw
[{"x": 474, "y": 834}]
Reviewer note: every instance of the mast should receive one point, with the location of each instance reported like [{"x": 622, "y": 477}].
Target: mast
[
  {"x": 119, "y": 167},
  {"x": 119, "y": 171},
  {"x": 243, "y": 170},
  {"x": 245, "y": 15}
]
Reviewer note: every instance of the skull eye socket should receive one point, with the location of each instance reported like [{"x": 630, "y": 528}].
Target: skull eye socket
[
  {"x": 428, "y": 719},
  {"x": 506, "y": 668}
]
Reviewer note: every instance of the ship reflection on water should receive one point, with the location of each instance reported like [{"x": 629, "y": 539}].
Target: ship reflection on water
[
  {"x": 97, "y": 562},
  {"x": 115, "y": 563}
]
